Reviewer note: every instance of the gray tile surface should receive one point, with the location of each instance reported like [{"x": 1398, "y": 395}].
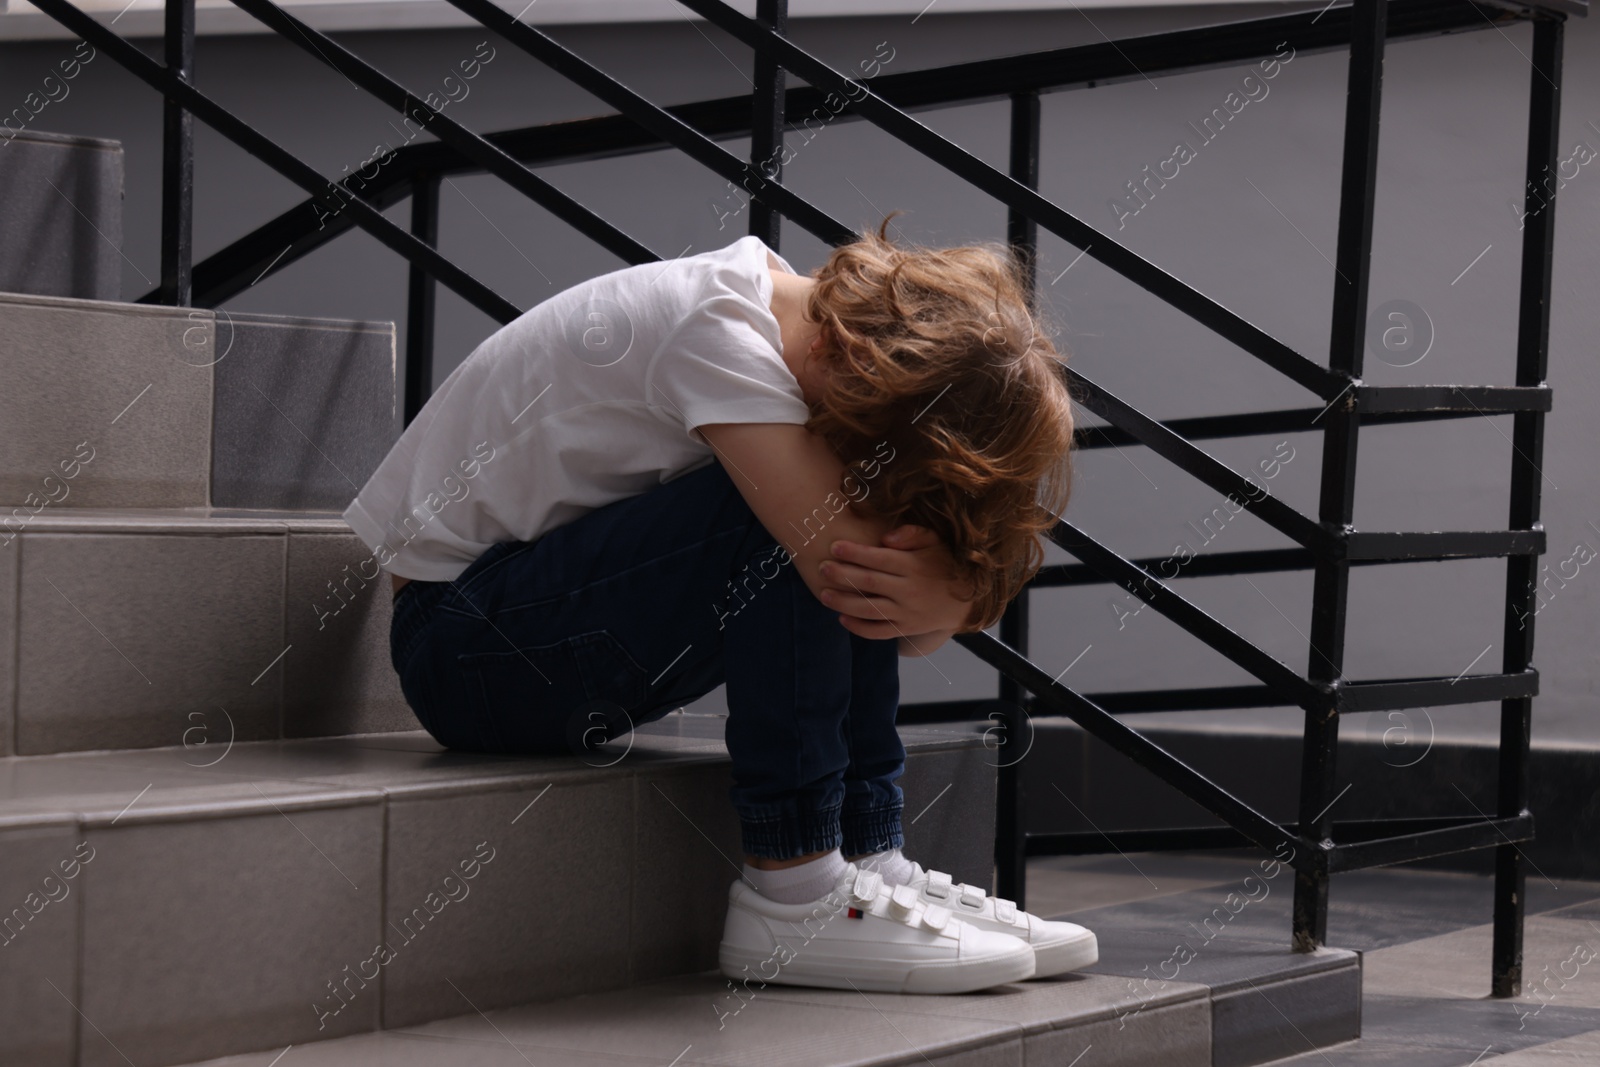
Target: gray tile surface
[
  {"x": 338, "y": 677},
  {"x": 948, "y": 819},
  {"x": 990, "y": 1054},
  {"x": 175, "y": 520},
  {"x": 658, "y": 1021},
  {"x": 222, "y": 934},
  {"x": 361, "y": 763},
  {"x": 1173, "y": 1035},
  {"x": 1224, "y": 963},
  {"x": 304, "y": 409},
  {"x": 1567, "y": 1052},
  {"x": 60, "y": 212},
  {"x": 1367, "y": 909},
  {"x": 1560, "y": 960},
  {"x": 1269, "y": 1020},
  {"x": 1472, "y": 1025},
  {"x": 385, "y": 1049},
  {"x": 1034, "y": 1006},
  {"x": 1425, "y": 964},
  {"x": 131, "y": 383},
  {"x": 41, "y": 878},
  {"x": 127, "y": 637},
  {"x": 1057, "y": 1021},
  {"x": 687, "y": 851},
  {"x": 547, "y": 916},
  {"x": 1367, "y": 1053},
  {"x": 1063, "y": 885},
  {"x": 128, "y": 788}
]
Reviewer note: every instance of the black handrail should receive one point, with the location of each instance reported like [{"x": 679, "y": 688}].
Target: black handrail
[
  {"x": 1328, "y": 545},
  {"x": 275, "y": 156},
  {"x": 233, "y": 268}
]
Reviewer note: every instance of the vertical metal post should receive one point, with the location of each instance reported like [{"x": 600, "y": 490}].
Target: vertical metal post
[
  {"x": 420, "y": 297},
  {"x": 1010, "y": 857},
  {"x": 1527, "y": 438},
  {"x": 1022, "y": 232},
  {"x": 766, "y": 121},
  {"x": 1318, "y": 768},
  {"x": 177, "y": 162}
]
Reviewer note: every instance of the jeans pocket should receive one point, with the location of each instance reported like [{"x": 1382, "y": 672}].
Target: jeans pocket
[{"x": 566, "y": 697}]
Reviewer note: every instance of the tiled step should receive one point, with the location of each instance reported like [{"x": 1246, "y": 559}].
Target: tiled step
[
  {"x": 1411, "y": 766},
  {"x": 109, "y": 404},
  {"x": 1240, "y": 1002},
  {"x": 143, "y": 628},
  {"x": 168, "y": 905},
  {"x": 1266, "y": 1002},
  {"x": 60, "y": 212},
  {"x": 696, "y": 1020}
]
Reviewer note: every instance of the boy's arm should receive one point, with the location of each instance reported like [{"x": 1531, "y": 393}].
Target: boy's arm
[{"x": 791, "y": 480}]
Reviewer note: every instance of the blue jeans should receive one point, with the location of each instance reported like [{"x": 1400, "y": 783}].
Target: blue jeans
[{"x": 639, "y": 607}]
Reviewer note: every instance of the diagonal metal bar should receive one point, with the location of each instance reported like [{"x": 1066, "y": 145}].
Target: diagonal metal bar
[
  {"x": 292, "y": 235},
  {"x": 1141, "y": 583},
  {"x": 1200, "y": 463},
  {"x": 1020, "y": 198},
  {"x": 483, "y": 152},
  {"x": 278, "y": 158},
  {"x": 1367, "y": 842},
  {"x": 233, "y": 268},
  {"x": 1141, "y": 750},
  {"x": 1244, "y": 561},
  {"x": 1130, "y": 59},
  {"x": 658, "y": 121}
]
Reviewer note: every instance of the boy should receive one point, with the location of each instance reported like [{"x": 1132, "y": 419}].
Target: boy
[{"x": 714, "y": 470}]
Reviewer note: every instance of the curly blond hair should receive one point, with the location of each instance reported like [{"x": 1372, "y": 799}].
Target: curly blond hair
[{"x": 936, "y": 352}]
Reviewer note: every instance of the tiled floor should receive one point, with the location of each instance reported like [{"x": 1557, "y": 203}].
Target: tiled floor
[{"x": 1424, "y": 937}]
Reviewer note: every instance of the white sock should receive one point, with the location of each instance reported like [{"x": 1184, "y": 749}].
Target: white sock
[
  {"x": 893, "y": 865},
  {"x": 800, "y": 884}
]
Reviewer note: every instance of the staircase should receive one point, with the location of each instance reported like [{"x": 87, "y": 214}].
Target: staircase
[{"x": 221, "y": 833}]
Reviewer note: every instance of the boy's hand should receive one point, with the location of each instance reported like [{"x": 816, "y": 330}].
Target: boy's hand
[{"x": 904, "y": 588}]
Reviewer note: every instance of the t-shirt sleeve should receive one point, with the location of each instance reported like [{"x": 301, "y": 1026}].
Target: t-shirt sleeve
[{"x": 719, "y": 365}]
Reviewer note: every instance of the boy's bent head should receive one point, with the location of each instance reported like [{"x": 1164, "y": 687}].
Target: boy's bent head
[{"x": 936, "y": 353}]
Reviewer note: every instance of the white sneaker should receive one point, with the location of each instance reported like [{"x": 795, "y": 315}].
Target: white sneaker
[
  {"x": 1058, "y": 947},
  {"x": 865, "y": 935}
]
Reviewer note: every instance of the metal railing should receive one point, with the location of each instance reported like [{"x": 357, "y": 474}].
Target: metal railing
[{"x": 1328, "y": 544}]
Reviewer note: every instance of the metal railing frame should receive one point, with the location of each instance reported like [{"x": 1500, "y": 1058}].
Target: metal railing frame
[{"x": 1327, "y": 545}]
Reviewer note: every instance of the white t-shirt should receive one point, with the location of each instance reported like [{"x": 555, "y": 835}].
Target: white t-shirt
[{"x": 590, "y": 397}]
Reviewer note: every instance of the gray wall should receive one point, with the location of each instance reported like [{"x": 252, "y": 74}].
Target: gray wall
[{"x": 1250, "y": 220}]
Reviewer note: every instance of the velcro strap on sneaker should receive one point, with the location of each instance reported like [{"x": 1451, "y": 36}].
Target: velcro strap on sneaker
[
  {"x": 935, "y": 917},
  {"x": 1005, "y": 910},
  {"x": 867, "y": 885},
  {"x": 903, "y": 899},
  {"x": 939, "y": 884},
  {"x": 972, "y": 896}
]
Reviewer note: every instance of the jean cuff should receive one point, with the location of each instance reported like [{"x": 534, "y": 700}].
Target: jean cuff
[
  {"x": 868, "y": 830},
  {"x": 785, "y": 831}
]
